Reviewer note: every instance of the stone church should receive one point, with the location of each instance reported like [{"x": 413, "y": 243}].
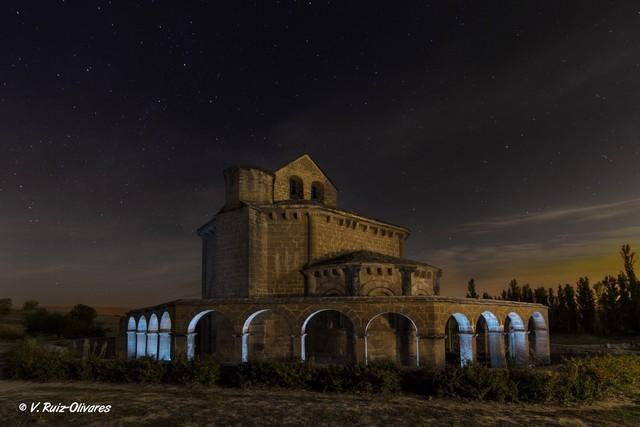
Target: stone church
[{"x": 288, "y": 275}]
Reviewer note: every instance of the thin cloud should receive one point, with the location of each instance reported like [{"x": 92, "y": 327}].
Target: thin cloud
[{"x": 583, "y": 213}]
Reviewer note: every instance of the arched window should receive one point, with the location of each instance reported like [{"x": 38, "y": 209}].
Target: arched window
[
  {"x": 317, "y": 192},
  {"x": 296, "y": 191}
]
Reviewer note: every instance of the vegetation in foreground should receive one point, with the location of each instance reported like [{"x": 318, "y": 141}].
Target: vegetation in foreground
[
  {"x": 194, "y": 405},
  {"x": 573, "y": 381}
]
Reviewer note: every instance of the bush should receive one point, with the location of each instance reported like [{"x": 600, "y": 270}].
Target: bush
[
  {"x": 41, "y": 322},
  {"x": 333, "y": 378},
  {"x": 534, "y": 385},
  {"x": 280, "y": 374},
  {"x": 5, "y": 305},
  {"x": 32, "y": 361},
  {"x": 575, "y": 381},
  {"x": 207, "y": 371},
  {"x": 30, "y": 305},
  {"x": 381, "y": 377},
  {"x": 145, "y": 370},
  {"x": 581, "y": 382},
  {"x": 180, "y": 371},
  {"x": 78, "y": 323},
  {"x": 476, "y": 382},
  {"x": 11, "y": 331}
]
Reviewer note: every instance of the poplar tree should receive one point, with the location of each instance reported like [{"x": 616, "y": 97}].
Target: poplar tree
[
  {"x": 586, "y": 305},
  {"x": 471, "y": 289}
]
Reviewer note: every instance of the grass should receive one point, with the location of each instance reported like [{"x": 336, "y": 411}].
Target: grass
[
  {"x": 582, "y": 339},
  {"x": 162, "y": 405}
]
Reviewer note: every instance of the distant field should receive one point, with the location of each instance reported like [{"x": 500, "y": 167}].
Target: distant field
[
  {"x": 163, "y": 405},
  {"x": 12, "y": 324},
  {"x": 578, "y": 339}
]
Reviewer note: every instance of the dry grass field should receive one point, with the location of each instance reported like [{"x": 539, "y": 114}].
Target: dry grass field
[{"x": 162, "y": 405}]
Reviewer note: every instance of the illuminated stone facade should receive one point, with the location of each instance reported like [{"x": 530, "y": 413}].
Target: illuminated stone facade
[{"x": 288, "y": 275}]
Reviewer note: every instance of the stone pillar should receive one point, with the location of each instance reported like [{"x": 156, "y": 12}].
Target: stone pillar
[
  {"x": 406, "y": 273},
  {"x": 542, "y": 348},
  {"x": 518, "y": 348},
  {"x": 131, "y": 345},
  {"x": 164, "y": 346},
  {"x": 237, "y": 353},
  {"x": 141, "y": 344},
  {"x": 299, "y": 347},
  {"x": 352, "y": 279},
  {"x": 361, "y": 348},
  {"x": 152, "y": 344},
  {"x": 496, "y": 349},
  {"x": 466, "y": 347},
  {"x": 186, "y": 344},
  {"x": 431, "y": 351},
  {"x": 436, "y": 283}
]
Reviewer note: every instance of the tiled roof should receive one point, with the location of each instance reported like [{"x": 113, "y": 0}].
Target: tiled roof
[{"x": 365, "y": 257}]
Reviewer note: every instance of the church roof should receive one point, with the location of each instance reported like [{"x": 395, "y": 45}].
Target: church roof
[
  {"x": 308, "y": 157},
  {"x": 358, "y": 257}
]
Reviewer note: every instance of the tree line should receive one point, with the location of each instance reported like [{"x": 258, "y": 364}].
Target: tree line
[
  {"x": 77, "y": 323},
  {"x": 610, "y": 306}
]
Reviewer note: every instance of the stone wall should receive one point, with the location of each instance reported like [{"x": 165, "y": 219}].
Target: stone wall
[
  {"x": 335, "y": 232},
  {"x": 228, "y": 268},
  {"x": 247, "y": 185},
  {"x": 305, "y": 169}
]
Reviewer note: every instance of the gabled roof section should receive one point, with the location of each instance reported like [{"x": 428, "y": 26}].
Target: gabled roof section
[
  {"x": 358, "y": 257},
  {"x": 307, "y": 157}
]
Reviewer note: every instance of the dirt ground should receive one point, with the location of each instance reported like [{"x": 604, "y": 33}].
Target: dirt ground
[{"x": 162, "y": 405}]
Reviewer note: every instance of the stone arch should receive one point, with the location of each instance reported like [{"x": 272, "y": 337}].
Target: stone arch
[
  {"x": 380, "y": 291},
  {"x": 515, "y": 340},
  {"x": 266, "y": 335},
  {"x": 141, "y": 337},
  {"x": 458, "y": 340},
  {"x": 538, "y": 339},
  {"x": 210, "y": 333},
  {"x": 327, "y": 336},
  {"x": 164, "y": 341},
  {"x": 489, "y": 345},
  {"x": 152, "y": 336},
  {"x": 377, "y": 287},
  {"x": 131, "y": 337},
  {"x": 392, "y": 336},
  {"x": 419, "y": 292},
  {"x": 333, "y": 292},
  {"x": 296, "y": 188},
  {"x": 317, "y": 191}
]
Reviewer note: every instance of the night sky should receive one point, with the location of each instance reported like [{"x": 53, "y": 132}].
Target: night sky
[{"x": 504, "y": 134}]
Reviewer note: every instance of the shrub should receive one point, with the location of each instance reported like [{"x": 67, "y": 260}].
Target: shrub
[
  {"x": 5, "y": 305},
  {"x": 581, "y": 382},
  {"x": 380, "y": 377},
  {"x": 30, "y": 305},
  {"x": 41, "y": 322},
  {"x": 475, "y": 382},
  {"x": 328, "y": 378},
  {"x": 207, "y": 371},
  {"x": 11, "y": 331},
  {"x": 110, "y": 370},
  {"x": 180, "y": 371},
  {"x": 33, "y": 361},
  {"x": 535, "y": 385},
  {"x": 145, "y": 370},
  {"x": 418, "y": 381}
]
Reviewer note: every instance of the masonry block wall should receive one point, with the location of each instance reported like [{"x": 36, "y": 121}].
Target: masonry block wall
[{"x": 309, "y": 173}]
